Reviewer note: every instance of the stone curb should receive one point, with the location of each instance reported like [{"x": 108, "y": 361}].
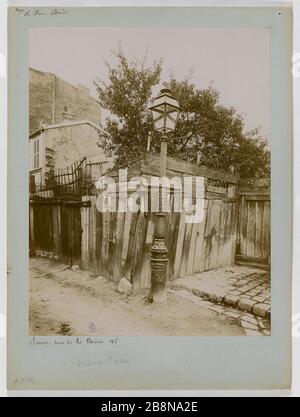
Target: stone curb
[{"x": 245, "y": 304}]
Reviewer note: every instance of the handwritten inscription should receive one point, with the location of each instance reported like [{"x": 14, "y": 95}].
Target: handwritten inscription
[
  {"x": 64, "y": 341},
  {"x": 23, "y": 380},
  {"x": 25, "y": 11},
  {"x": 110, "y": 360}
]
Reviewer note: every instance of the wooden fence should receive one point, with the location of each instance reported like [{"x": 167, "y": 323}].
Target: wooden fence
[
  {"x": 115, "y": 244},
  {"x": 118, "y": 244},
  {"x": 254, "y": 223}
]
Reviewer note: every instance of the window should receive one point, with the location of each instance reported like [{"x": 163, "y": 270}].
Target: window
[{"x": 36, "y": 154}]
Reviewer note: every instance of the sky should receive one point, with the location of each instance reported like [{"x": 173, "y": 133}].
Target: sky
[{"x": 235, "y": 60}]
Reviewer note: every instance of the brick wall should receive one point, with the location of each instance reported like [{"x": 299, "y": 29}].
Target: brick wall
[{"x": 50, "y": 97}]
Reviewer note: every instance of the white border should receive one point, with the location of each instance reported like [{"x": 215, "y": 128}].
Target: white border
[{"x": 296, "y": 158}]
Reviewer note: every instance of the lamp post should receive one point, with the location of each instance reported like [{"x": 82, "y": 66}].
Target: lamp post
[{"x": 165, "y": 111}]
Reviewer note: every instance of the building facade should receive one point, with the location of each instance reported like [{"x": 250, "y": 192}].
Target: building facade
[
  {"x": 56, "y": 147},
  {"x": 53, "y": 100}
]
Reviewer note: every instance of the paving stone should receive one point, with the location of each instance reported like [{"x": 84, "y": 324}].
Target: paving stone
[
  {"x": 235, "y": 292},
  {"x": 261, "y": 309},
  {"x": 246, "y": 304},
  {"x": 242, "y": 282},
  {"x": 249, "y": 318},
  {"x": 217, "y": 309},
  {"x": 259, "y": 299},
  {"x": 216, "y": 298},
  {"x": 232, "y": 314},
  {"x": 231, "y": 299},
  {"x": 250, "y": 326},
  {"x": 245, "y": 289},
  {"x": 263, "y": 323},
  {"x": 255, "y": 292}
]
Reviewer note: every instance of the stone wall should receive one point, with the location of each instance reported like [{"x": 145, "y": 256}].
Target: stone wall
[
  {"x": 52, "y": 100},
  {"x": 71, "y": 143}
]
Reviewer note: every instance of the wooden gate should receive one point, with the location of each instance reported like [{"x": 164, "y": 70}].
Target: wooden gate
[
  {"x": 55, "y": 229},
  {"x": 253, "y": 245}
]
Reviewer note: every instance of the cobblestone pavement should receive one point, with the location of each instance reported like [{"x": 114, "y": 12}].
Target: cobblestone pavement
[
  {"x": 243, "y": 288},
  {"x": 252, "y": 325}
]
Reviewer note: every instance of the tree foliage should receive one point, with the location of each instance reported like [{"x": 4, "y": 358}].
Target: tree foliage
[{"x": 206, "y": 130}]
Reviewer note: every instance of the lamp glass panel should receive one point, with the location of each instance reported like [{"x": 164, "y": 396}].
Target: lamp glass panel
[
  {"x": 170, "y": 124},
  {"x": 159, "y": 124}
]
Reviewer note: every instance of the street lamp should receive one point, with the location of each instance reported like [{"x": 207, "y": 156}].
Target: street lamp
[{"x": 165, "y": 111}]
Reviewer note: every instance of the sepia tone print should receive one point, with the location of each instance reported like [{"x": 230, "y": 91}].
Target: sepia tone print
[{"x": 149, "y": 182}]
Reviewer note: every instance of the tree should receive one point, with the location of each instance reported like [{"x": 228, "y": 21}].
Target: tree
[
  {"x": 126, "y": 97},
  {"x": 205, "y": 128},
  {"x": 215, "y": 132}
]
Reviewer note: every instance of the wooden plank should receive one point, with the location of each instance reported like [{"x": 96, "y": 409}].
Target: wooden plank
[
  {"x": 233, "y": 233},
  {"x": 207, "y": 235},
  {"x": 187, "y": 168},
  {"x": 77, "y": 235},
  {"x": 92, "y": 235},
  {"x": 258, "y": 229},
  {"x": 105, "y": 244},
  {"x": 256, "y": 197},
  {"x": 112, "y": 245},
  {"x": 266, "y": 231},
  {"x": 180, "y": 239},
  {"x": 250, "y": 228},
  {"x": 128, "y": 272},
  {"x": 191, "y": 253},
  {"x": 215, "y": 196},
  {"x": 57, "y": 231},
  {"x": 213, "y": 255},
  {"x": 243, "y": 226},
  {"x": 199, "y": 258},
  {"x": 185, "y": 249},
  {"x": 126, "y": 234},
  {"x": 227, "y": 241},
  {"x": 220, "y": 255},
  {"x": 65, "y": 234},
  {"x": 70, "y": 236},
  {"x": 119, "y": 244},
  {"x": 250, "y": 192}
]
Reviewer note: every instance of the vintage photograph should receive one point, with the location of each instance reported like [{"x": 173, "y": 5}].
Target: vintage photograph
[{"x": 149, "y": 181}]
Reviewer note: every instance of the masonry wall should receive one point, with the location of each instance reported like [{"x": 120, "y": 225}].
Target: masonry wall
[
  {"x": 50, "y": 97},
  {"x": 71, "y": 143},
  {"x": 40, "y": 98}
]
